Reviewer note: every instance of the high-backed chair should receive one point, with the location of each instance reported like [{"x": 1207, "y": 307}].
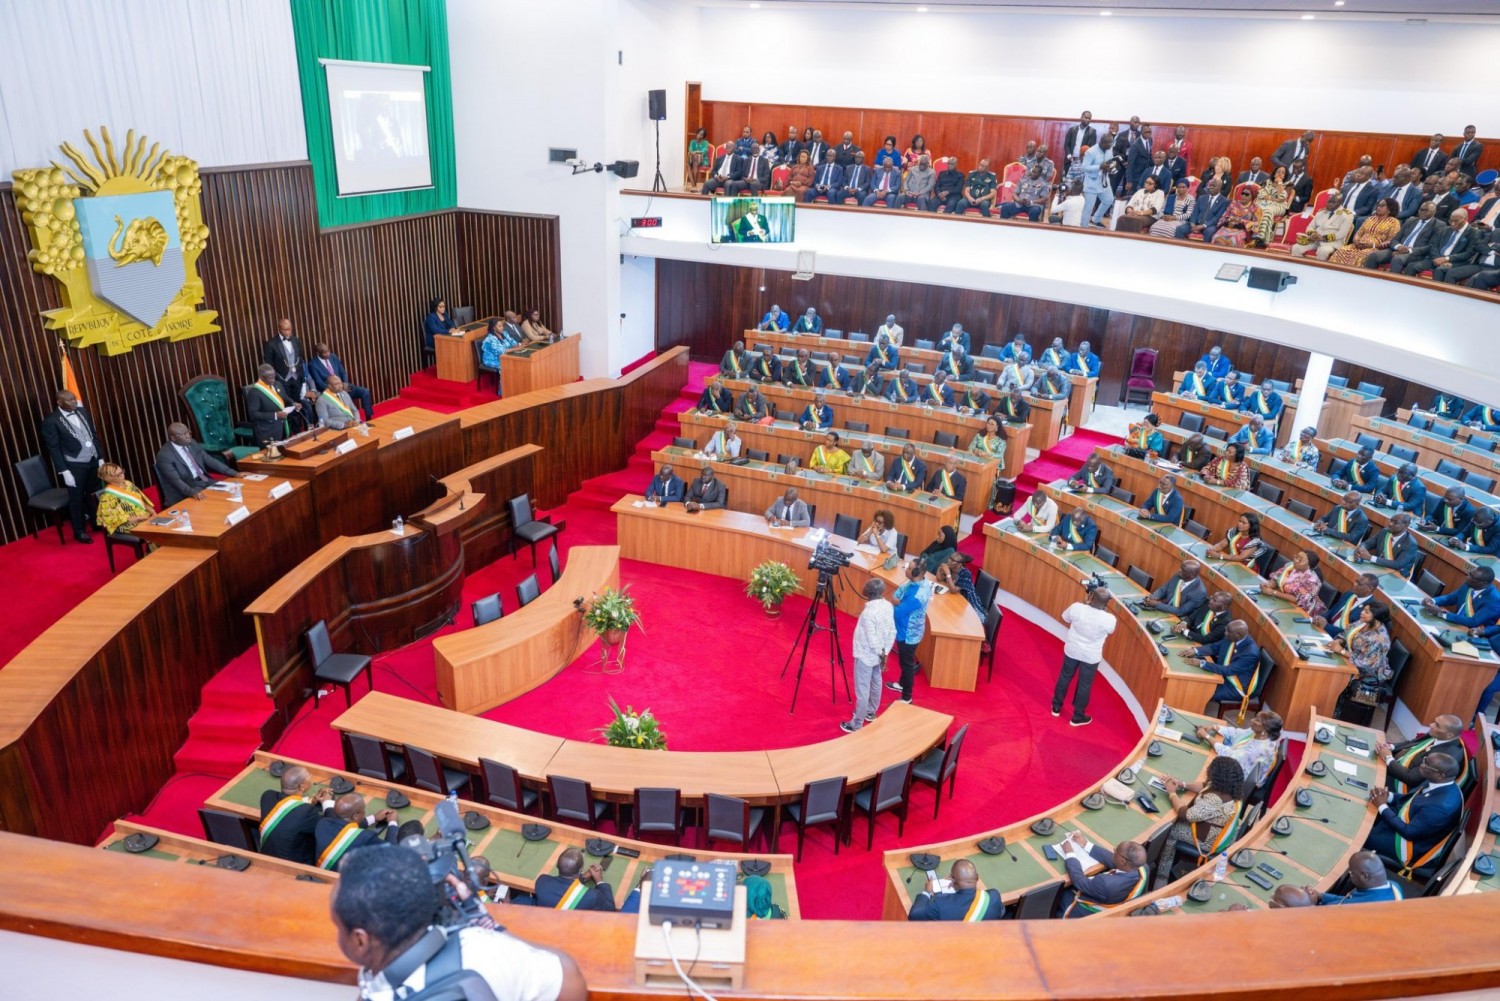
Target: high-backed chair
[
  {"x": 42, "y": 495},
  {"x": 207, "y": 398},
  {"x": 993, "y": 617},
  {"x": 940, "y": 765},
  {"x": 822, "y": 802},
  {"x": 1191, "y": 423},
  {"x": 528, "y": 591},
  {"x": 659, "y": 811},
  {"x": 228, "y": 829},
  {"x": 372, "y": 758},
  {"x": 1141, "y": 382},
  {"x": 890, "y": 791},
  {"x": 573, "y": 800},
  {"x": 331, "y": 668},
  {"x": 503, "y": 788},
  {"x": 986, "y": 586},
  {"x": 553, "y": 563},
  {"x": 846, "y": 526},
  {"x": 946, "y": 439},
  {"x": 481, "y": 367},
  {"x": 524, "y": 526},
  {"x": 488, "y": 609},
  {"x": 425, "y": 772},
  {"x": 729, "y": 818}
]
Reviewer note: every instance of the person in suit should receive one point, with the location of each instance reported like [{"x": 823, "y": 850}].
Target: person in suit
[
  {"x": 1075, "y": 532},
  {"x": 1098, "y": 195},
  {"x": 1182, "y": 595},
  {"x": 437, "y": 323},
  {"x": 1409, "y": 829},
  {"x": 787, "y": 150},
  {"x": 284, "y": 353},
  {"x": 1051, "y": 385},
  {"x": 1452, "y": 246},
  {"x": 574, "y": 888},
  {"x": 728, "y": 169},
  {"x": 1475, "y": 602},
  {"x": 706, "y": 493},
  {"x": 1139, "y": 158},
  {"x": 1176, "y": 165},
  {"x": 1469, "y": 151},
  {"x": 885, "y": 186},
  {"x": 1012, "y": 406},
  {"x": 1481, "y": 417},
  {"x": 855, "y": 184},
  {"x": 809, "y": 323},
  {"x": 289, "y": 817},
  {"x": 846, "y": 152},
  {"x": 774, "y": 319},
  {"x": 1403, "y": 491},
  {"x": 908, "y": 472},
  {"x": 752, "y": 405},
  {"x": 666, "y": 487},
  {"x": 749, "y": 228},
  {"x": 902, "y": 388},
  {"x": 1293, "y": 150},
  {"x": 335, "y": 407},
  {"x": 1207, "y": 626},
  {"x": 270, "y": 411},
  {"x": 1359, "y": 474},
  {"x": 348, "y": 827},
  {"x": 1198, "y": 383},
  {"x": 756, "y": 176},
  {"x": 1328, "y": 231},
  {"x": 1207, "y": 212},
  {"x": 798, "y": 371},
  {"x": 325, "y": 363},
  {"x": 1412, "y": 241},
  {"x": 817, "y": 415},
  {"x": 828, "y": 180},
  {"x": 736, "y": 361},
  {"x": 1482, "y": 537},
  {"x": 716, "y": 398},
  {"x": 788, "y": 509},
  {"x": 937, "y": 393},
  {"x": 1300, "y": 182},
  {"x": 831, "y": 373},
  {"x": 1095, "y": 477},
  {"x": 1160, "y": 171},
  {"x": 1164, "y": 505},
  {"x": 1235, "y": 659},
  {"x": 957, "y": 363},
  {"x": 817, "y": 150},
  {"x": 1361, "y": 195},
  {"x": 1431, "y": 157},
  {"x": 183, "y": 465},
  {"x": 1255, "y": 175},
  {"x": 966, "y": 902},
  {"x": 870, "y": 381},
  {"x": 73, "y": 446},
  {"x": 1219, "y": 365},
  {"x": 1194, "y": 453},
  {"x": 1255, "y": 436},
  {"x": 949, "y": 481},
  {"x": 1346, "y": 521},
  {"x": 1079, "y": 139},
  {"x": 1369, "y": 881},
  {"x": 767, "y": 367},
  {"x": 1393, "y": 547},
  {"x": 1083, "y": 361},
  {"x": 1344, "y": 612},
  {"x": 1126, "y": 877},
  {"x": 1228, "y": 392},
  {"x": 1405, "y": 192},
  {"x": 1486, "y": 258},
  {"x": 1403, "y": 761},
  {"x": 1452, "y": 515}
]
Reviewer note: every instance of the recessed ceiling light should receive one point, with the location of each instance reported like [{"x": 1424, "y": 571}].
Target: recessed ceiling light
[
  {"x": 1105, "y": 13},
  {"x": 921, "y": 10},
  {"x": 1338, "y": 3},
  {"x": 1309, "y": 17}
]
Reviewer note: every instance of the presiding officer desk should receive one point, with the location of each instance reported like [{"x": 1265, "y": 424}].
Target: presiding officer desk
[
  {"x": 765, "y": 778},
  {"x": 789, "y": 438},
  {"x": 733, "y": 543}
]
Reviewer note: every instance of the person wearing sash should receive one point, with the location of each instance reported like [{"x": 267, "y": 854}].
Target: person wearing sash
[
  {"x": 1094, "y": 478},
  {"x": 1444, "y": 405},
  {"x": 1371, "y": 884},
  {"x": 1057, "y": 355},
  {"x": 1144, "y": 438},
  {"x": 1018, "y": 374},
  {"x": 1229, "y": 470},
  {"x": 1404, "y": 491},
  {"x": 937, "y": 393},
  {"x": 1164, "y": 504},
  {"x": 1208, "y": 624},
  {"x": 736, "y": 362},
  {"x": 1197, "y": 384},
  {"x": 666, "y": 487},
  {"x": 1367, "y": 644},
  {"x": 908, "y": 472},
  {"x": 1394, "y": 547},
  {"x": 973, "y": 400},
  {"x": 1076, "y": 532},
  {"x": 1051, "y": 385},
  {"x": 1195, "y": 453},
  {"x": 1265, "y": 401},
  {"x": 990, "y": 444},
  {"x": 1298, "y": 582},
  {"x": 348, "y": 827},
  {"x": 891, "y": 330},
  {"x": 1345, "y": 611},
  {"x": 270, "y": 412},
  {"x": 1181, "y": 596},
  {"x": 725, "y": 444},
  {"x": 867, "y": 464},
  {"x": 1482, "y": 537},
  {"x": 1403, "y": 761},
  {"x": 716, "y": 398},
  {"x": 1474, "y": 603},
  {"x": 752, "y": 406},
  {"x": 1015, "y": 348},
  {"x": 1242, "y": 543},
  {"x": 183, "y": 466},
  {"x": 809, "y": 323},
  {"x": 289, "y": 817},
  {"x": 766, "y": 368},
  {"x": 964, "y": 902},
  {"x": 817, "y": 415},
  {"x": 799, "y": 371},
  {"x": 949, "y": 481},
  {"x": 1012, "y": 406},
  {"x": 1346, "y": 522},
  {"x": 1452, "y": 515},
  {"x": 1228, "y": 392},
  {"x": 1125, "y": 878},
  {"x": 1483, "y": 417},
  {"x": 1038, "y": 514},
  {"x": 1201, "y": 820},
  {"x": 957, "y": 363},
  {"x": 325, "y": 363},
  {"x": 1303, "y": 451},
  {"x": 956, "y": 336},
  {"x": 1359, "y": 474},
  {"x": 869, "y": 382},
  {"x": 1235, "y": 659},
  {"x": 1410, "y": 830},
  {"x": 574, "y": 888},
  {"x": 831, "y": 374},
  {"x": 1256, "y": 437},
  {"x": 829, "y": 457},
  {"x": 883, "y": 354},
  {"x": 335, "y": 407},
  {"x": 122, "y": 506},
  {"x": 902, "y": 388},
  {"x": 775, "y": 319},
  {"x": 1083, "y": 362},
  {"x": 1254, "y": 746}
]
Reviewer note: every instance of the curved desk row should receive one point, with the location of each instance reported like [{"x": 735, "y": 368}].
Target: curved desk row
[
  {"x": 516, "y": 861},
  {"x": 733, "y": 543},
  {"x": 1481, "y": 839},
  {"x": 789, "y": 438},
  {"x": 182, "y": 849},
  {"x": 487, "y": 666},
  {"x": 1484, "y": 441},
  {"x": 1171, "y": 406},
  {"x": 1430, "y": 447}
]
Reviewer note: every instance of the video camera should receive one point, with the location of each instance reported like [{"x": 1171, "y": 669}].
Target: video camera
[
  {"x": 1091, "y": 582},
  {"x": 828, "y": 558},
  {"x": 447, "y": 855}
]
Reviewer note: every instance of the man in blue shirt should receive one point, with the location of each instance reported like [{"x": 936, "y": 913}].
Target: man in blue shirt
[
  {"x": 1218, "y": 363},
  {"x": 1255, "y": 436},
  {"x": 912, "y": 599},
  {"x": 1098, "y": 195},
  {"x": 1265, "y": 401},
  {"x": 774, "y": 320},
  {"x": 1015, "y": 348},
  {"x": 1083, "y": 362},
  {"x": 1228, "y": 393},
  {"x": 1452, "y": 515},
  {"x": 1198, "y": 383},
  {"x": 1359, "y": 474},
  {"x": 1370, "y": 883},
  {"x": 1404, "y": 491},
  {"x": 1475, "y": 603},
  {"x": 1076, "y": 532},
  {"x": 884, "y": 354},
  {"x": 1164, "y": 504},
  {"x": 1483, "y": 416},
  {"x": 817, "y": 414},
  {"x": 1235, "y": 658}
]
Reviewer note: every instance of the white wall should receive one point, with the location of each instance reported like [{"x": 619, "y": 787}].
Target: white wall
[
  {"x": 1219, "y": 71},
  {"x": 215, "y": 80}
]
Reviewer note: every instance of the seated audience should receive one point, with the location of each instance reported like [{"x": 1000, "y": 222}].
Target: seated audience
[
  {"x": 1164, "y": 503},
  {"x": 978, "y": 191},
  {"x": 1143, "y": 209},
  {"x": 535, "y": 330},
  {"x": 1255, "y": 437},
  {"x": 870, "y": 382},
  {"x": 716, "y": 398},
  {"x": 753, "y": 406},
  {"x": 574, "y": 888},
  {"x": 902, "y": 388},
  {"x": 1208, "y": 625},
  {"x": 1255, "y": 746},
  {"x": 1142, "y": 438},
  {"x": 774, "y": 319},
  {"x": 867, "y": 464},
  {"x": 1483, "y": 417},
  {"x": 1228, "y": 392},
  {"x": 1298, "y": 582},
  {"x": 1012, "y": 406},
  {"x": 1051, "y": 385},
  {"x": 1482, "y": 536},
  {"x": 831, "y": 374},
  {"x": 885, "y": 186},
  {"x": 1194, "y": 453},
  {"x": 183, "y": 466},
  {"x": 1475, "y": 602},
  {"x": 880, "y": 533},
  {"x": 1412, "y": 241},
  {"x": 1242, "y": 543},
  {"x": 817, "y": 415},
  {"x": 1344, "y": 611},
  {"x": 1410, "y": 829},
  {"x": 348, "y": 827},
  {"x": 1218, "y": 363},
  {"x": 1377, "y": 232},
  {"x": 954, "y": 336},
  {"x": 666, "y": 487},
  {"x": 1369, "y": 883},
  {"x": 893, "y": 331},
  {"x": 1329, "y": 230},
  {"x": 1197, "y": 384},
  {"x": 908, "y": 472},
  {"x": 937, "y": 393},
  {"x": 799, "y": 371},
  {"x": 1359, "y": 474},
  {"x": 1207, "y": 214},
  {"x": 949, "y": 481},
  {"x": 1235, "y": 659},
  {"x": 919, "y": 187},
  {"x": 1015, "y": 348},
  {"x": 788, "y": 510},
  {"x": 1177, "y": 210},
  {"x": 706, "y": 493},
  {"x": 325, "y": 363},
  {"x": 1038, "y": 514},
  {"x": 956, "y": 576},
  {"x": 335, "y": 407},
  {"x": 855, "y": 184},
  {"x": 122, "y": 506},
  {"x": 948, "y": 187},
  {"x": 1094, "y": 478},
  {"x": 438, "y": 323},
  {"x": 1452, "y": 515},
  {"x": 883, "y": 354},
  {"x": 1076, "y": 532},
  {"x": 1452, "y": 246},
  {"x": 1018, "y": 373},
  {"x": 939, "y": 550},
  {"x": 1182, "y": 595},
  {"x": 1403, "y": 761},
  {"x": 1056, "y": 355},
  {"x": 1304, "y": 451},
  {"x": 800, "y": 179},
  {"x": 766, "y": 368},
  {"x": 809, "y": 323},
  {"x": 1265, "y": 402},
  {"x": 1030, "y": 196},
  {"x": 736, "y": 361},
  {"x": 957, "y": 363},
  {"x": 1404, "y": 491},
  {"x": 289, "y": 817},
  {"x": 1084, "y": 362},
  {"x": 725, "y": 444},
  {"x": 1240, "y": 221},
  {"x": 964, "y": 902}
]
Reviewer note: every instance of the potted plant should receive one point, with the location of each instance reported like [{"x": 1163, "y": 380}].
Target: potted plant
[
  {"x": 633, "y": 729},
  {"x": 610, "y": 614},
  {"x": 771, "y": 582}
]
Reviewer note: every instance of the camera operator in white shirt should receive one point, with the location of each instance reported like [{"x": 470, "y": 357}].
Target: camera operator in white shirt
[{"x": 1089, "y": 625}]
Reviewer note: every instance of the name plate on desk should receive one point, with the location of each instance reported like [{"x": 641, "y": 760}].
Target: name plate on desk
[
  {"x": 347, "y": 447},
  {"x": 238, "y": 515},
  {"x": 405, "y": 432},
  {"x": 280, "y": 490}
]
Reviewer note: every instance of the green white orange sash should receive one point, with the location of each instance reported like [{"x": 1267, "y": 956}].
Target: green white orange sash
[
  {"x": 1177, "y": 592},
  {"x": 1405, "y": 850},
  {"x": 885, "y": 359},
  {"x": 989, "y": 449},
  {"x": 1013, "y": 372},
  {"x": 572, "y": 896},
  {"x": 1347, "y": 615},
  {"x": 1343, "y": 520},
  {"x": 1223, "y": 471},
  {"x": 971, "y": 400},
  {"x": 1469, "y": 603},
  {"x": 947, "y": 483},
  {"x": 980, "y": 906},
  {"x": 1356, "y": 472},
  {"x": 1141, "y": 436},
  {"x": 329, "y": 859},
  {"x": 833, "y": 373},
  {"x": 901, "y": 389},
  {"x": 1052, "y": 357},
  {"x": 908, "y": 472},
  {"x": 1408, "y": 759},
  {"x": 1199, "y": 389},
  {"x": 1161, "y": 503},
  {"x": 271, "y": 395},
  {"x": 713, "y": 398},
  {"x": 765, "y": 367},
  {"x": 1010, "y": 406},
  {"x": 1487, "y": 416},
  {"x": 801, "y": 370},
  {"x": 819, "y": 459},
  {"x": 130, "y": 498},
  {"x": 953, "y": 366},
  {"x": 1388, "y": 545},
  {"x": 1234, "y": 681},
  {"x": 279, "y": 813},
  {"x": 1447, "y": 515},
  {"x": 1398, "y": 490},
  {"x": 1480, "y": 536},
  {"x": 1074, "y": 533},
  {"x": 339, "y": 403},
  {"x": 1263, "y": 404},
  {"x": 1136, "y": 891},
  {"x": 1283, "y": 575},
  {"x": 1091, "y": 477},
  {"x": 1207, "y": 621},
  {"x": 734, "y": 361},
  {"x": 1296, "y": 450},
  {"x": 932, "y": 391}
]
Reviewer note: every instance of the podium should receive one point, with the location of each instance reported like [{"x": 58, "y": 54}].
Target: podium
[{"x": 527, "y": 369}]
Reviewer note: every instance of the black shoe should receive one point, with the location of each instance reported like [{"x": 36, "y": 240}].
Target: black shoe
[
  {"x": 86, "y": 538},
  {"x": 1080, "y": 721},
  {"x": 1056, "y": 711},
  {"x": 848, "y": 727},
  {"x": 894, "y": 686},
  {"x": 907, "y": 699}
]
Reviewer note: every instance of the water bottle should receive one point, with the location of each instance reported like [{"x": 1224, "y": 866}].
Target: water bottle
[
  {"x": 1221, "y": 867},
  {"x": 187, "y": 521},
  {"x": 1169, "y": 903},
  {"x": 399, "y": 525}
]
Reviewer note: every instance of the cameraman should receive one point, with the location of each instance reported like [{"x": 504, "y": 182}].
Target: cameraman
[
  {"x": 383, "y": 908},
  {"x": 1089, "y": 625}
]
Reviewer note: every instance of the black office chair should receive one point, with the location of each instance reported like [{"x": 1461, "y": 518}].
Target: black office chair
[
  {"x": 42, "y": 495},
  {"x": 859, "y": 426},
  {"x": 891, "y": 432},
  {"x": 1195, "y": 528},
  {"x": 553, "y": 563},
  {"x": 429, "y": 353},
  {"x": 1483, "y": 484},
  {"x": 1404, "y": 453},
  {"x": 922, "y": 345},
  {"x": 229, "y": 829},
  {"x": 1039, "y": 904},
  {"x": 372, "y": 758},
  {"x": 946, "y": 439},
  {"x": 331, "y": 668},
  {"x": 986, "y": 586},
  {"x": 901, "y": 545},
  {"x": 503, "y": 788},
  {"x": 524, "y": 526},
  {"x": 1191, "y": 423},
  {"x": 573, "y": 800},
  {"x": 482, "y": 368},
  {"x": 822, "y": 802},
  {"x": 1450, "y": 469},
  {"x": 1141, "y": 577},
  {"x": 426, "y": 772},
  {"x": 757, "y": 455},
  {"x": 1368, "y": 441},
  {"x": 890, "y": 791},
  {"x": 858, "y": 337},
  {"x": 916, "y": 368},
  {"x": 1429, "y": 584},
  {"x": 1122, "y": 495},
  {"x": 729, "y": 818},
  {"x": 488, "y": 609},
  {"x": 684, "y": 443},
  {"x": 785, "y": 415},
  {"x": 127, "y": 540},
  {"x": 1269, "y": 491},
  {"x": 1216, "y": 433},
  {"x": 1107, "y": 555},
  {"x": 528, "y": 591},
  {"x": 993, "y": 617},
  {"x": 1327, "y": 594},
  {"x": 1398, "y": 657},
  {"x": 784, "y": 459},
  {"x": 1268, "y": 562},
  {"x": 659, "y": 811},
  {"x": 940, "y": 765},
  {"x": 846, "y": 526},
  {"x": 1418, "y": 421},
  {"x": 1301, "y": 510}
]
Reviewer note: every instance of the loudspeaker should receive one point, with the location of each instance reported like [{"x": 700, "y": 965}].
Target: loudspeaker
[
  {"x": 658, "y": 105},
  {"x": 1270, "y": 281},
  {"x": 625, "y": 168}
]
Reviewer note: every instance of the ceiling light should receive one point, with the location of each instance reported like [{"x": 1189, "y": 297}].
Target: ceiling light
[
  {"x": 1105, "y": 13},
  {"x": 755, "y": 6},
  {"x": 921, "y": 10},
  {"x": 1309, "y": 17},
  {"x": 1338, "y": 3}
]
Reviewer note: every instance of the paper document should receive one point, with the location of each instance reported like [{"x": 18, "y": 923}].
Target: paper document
[
  {"x": 1168, "y": 732},
  {"x": 1345, "y": 767}
]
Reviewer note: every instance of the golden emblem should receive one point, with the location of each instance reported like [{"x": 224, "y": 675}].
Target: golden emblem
[{"x": 143, "y": 241}]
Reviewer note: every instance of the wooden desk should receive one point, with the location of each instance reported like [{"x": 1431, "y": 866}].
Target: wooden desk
[
  {"x": 1170, "y": 407},
  {"x": 455, "y": 352},
  {"x": 880, "y": 414},
  {"x": 732, "y": 543},
  {"x": 790, "y": 439},
  {"x": 481, "y": 668},
  {"x": 516, "y": 862},
  {"x": 1481, "y": 840},
  {"x": 1315, "y": 854},
  {"x": 1032, "y": 869},
  {"x": 500, "y": 477},
  {"x": 1341, "y": 407},
  {"x": 1484, "y": 441},
  {"x": 1083, "y": 398},
  {"x": 181, "y": 849},
  {"x": 530, "y": 368},
  {"x": 1431, "y": 447},
  {"x": 754, "y": 487},
  {"x": 1047, "y": 418}
]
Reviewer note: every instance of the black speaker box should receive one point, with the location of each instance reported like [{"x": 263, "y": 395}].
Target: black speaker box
[
  {"x": 1269, "y": 280},
  {"x": 625, "y": 168},
  {"x": 658, "y": 105}
]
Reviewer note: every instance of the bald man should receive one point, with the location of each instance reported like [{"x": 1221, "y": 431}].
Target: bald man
[
  {"x": 1403, "y": 762},
  {"x": 183, "y": 466},
  {"x": 348, "y": 827},
  {"x": 1287, "y": 895},
  {"x": 289, "y": 817},
  {"x": 1371, "y": 884},
  {"x": 967, "y": 902},
  {"x": 1125, "y": 878},
  {"x": 576, "y": 887}
]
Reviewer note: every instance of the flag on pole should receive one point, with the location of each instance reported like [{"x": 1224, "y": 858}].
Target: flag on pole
[{"x": 69, "y": 377}]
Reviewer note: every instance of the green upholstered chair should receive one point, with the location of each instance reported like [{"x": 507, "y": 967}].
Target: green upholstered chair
[{"x": 208, "y": 398}]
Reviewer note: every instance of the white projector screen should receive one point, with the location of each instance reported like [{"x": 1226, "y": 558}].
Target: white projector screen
[{"x": 379, "y": 116}]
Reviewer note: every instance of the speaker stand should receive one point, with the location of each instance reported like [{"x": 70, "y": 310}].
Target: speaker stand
[{"x": 658, "y": 184}]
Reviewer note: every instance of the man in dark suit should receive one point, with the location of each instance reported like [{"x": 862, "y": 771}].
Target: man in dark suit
[
  {"x": 1206, "y": 214},
  {"x": 1469, "y": 151},
  {"x": 766, "y": 367},
  {"x": 757, "y": 176},
  {"x": 1346, "y": 522},
  {"x": 787, "y": 150},
  {"x": 1208, "y": 624},
  {"x": 1159, "y": 170},
  {"x": 1183, "y": 595},
  {"x": 270, "y": 411},
  {"x": 1293, "y": 150},
  {"x": 1235, "y": 658},
  {"x": 1403, "y": 761},
  {"x": 1432, "y": 156},
  {"x": 347, "y": 827},
  {"x": 1079, "y": 138},
  {"x": 856, "y": 181},
  {"x": 325, "y": 363},
  {"x": 966, "y": 902},
  {"x": 1255, "y": 175},
  {"x": 284, "y": 353},
  {"x": 289, "y": 819},
  {"x": 706, "y": 493},
  {"x": 1138, "y": 160},
  {"x": 1393, "y": 547},
  {"x": 846, "y": 151},
  {"x": 817, "y": 150},
  {"x": 828, "y": 179},
  {"x": 728, "y": 169},
  {"x": 1345, "y": 611},
  {"x": 1126, "y": 877},
  {"x": 1361, "y": 194},
  {"x": 1406, "y": 192},
  {"x": 73, "y": 446},
  {"x": 1301, "y": 184},
  {"x": 1413, "y": 240},
  {"x": 1409, "y": 829},
  {"x": 182, "y": 466},
  {"x": 1012, "y": 406},
  {"x": 1486, "y": 258},
  {"x": 666, "y": 487},
  {"x": 574, "y": 888},
  {"x": 1452, "y": 246}
]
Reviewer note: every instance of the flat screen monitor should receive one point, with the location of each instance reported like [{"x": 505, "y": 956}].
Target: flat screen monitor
[{"x": 750, "y": 219}]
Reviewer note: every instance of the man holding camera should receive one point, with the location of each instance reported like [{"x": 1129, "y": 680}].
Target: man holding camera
[
  {"x": 1089, "y": 625},
  {"x": 384, "y": 909}
]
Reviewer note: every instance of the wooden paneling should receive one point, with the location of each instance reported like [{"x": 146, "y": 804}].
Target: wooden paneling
[
  {"x": 363, "y": 289},
  {"x": 707, "y": 307}
]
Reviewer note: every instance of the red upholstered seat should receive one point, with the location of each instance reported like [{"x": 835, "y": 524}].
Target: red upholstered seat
[
  {"x": 779, "y": 177},
  {"x": 1009, "y": 178}
]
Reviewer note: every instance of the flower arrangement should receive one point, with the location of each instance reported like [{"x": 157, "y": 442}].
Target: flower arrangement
[
  {"x": 770, "y": 582},
  {"x": 611, "y": 611},
  {"x": 633, "y": 729}
]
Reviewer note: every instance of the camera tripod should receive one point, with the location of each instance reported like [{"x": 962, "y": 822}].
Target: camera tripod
[{"x": 823, "y": 597}]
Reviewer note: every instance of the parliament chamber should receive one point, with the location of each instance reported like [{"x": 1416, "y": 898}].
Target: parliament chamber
[{"x": 475, "y": 470}]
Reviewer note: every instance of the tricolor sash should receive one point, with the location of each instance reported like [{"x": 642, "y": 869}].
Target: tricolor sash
[
  {"x": 329, "y": 859},
  {"x": 1177, "y": 592},
  {"x": 1488, "y": 416},
  {"x": 1263, "y": 404},
  {"x": 818, "y": 457},
  {"x": 1388, "y": 546},
  {"x": 932, "y": 392},
  {"x": 1223, "y": 471},
  {"x": 901, "y": 390},
  {"x": 1094, "y": 908},
  {"x": 734, "y": 361},
  {"x": 1283, "y": 575},
  {"x": 1469, "y": 602},
  {"x": 885, "y": 359},
  {"x": 1447, "y": 515},
  {"x": 947, "y": 483},
  {"x": 1091, "y": 477},
  {"x": 1398, "y": 490},
  {"x": 271, "y": 395},
  {"x": 1244, "y": 691},
  {"x": 1408, "y": 759},
  {"x": 980, "y": 906},
  {"x": 1010, "y": 406},
  {"x": 1198, "y": 387},
  {"x": 765, "y": 367},
  {"x": 1479, "y": 536},
  {"x": 1141, "y": 435},
  {"x": 130, "y": 498},
  {"x": 1343, "y": 520},
  {"x": 1160, "y": 504},
  {"x": 1405, "y": 850},
  {"x": 907, "y": 471},
  {"x": 1347, "y": 615},
  {"x": 339, "y": 403},
  {"x": 1296, "y": 450},
  {"x": 1206, "y": 621},
  {"x": 1073, "y": 532},
  {"x": 1052, "y": 357},
  {"x": 990, "y": 449},
  {"x": 572, "y": 896},
  {"x": 1013, "y": 371},
  {"x": 1356, "y": 472},
  {"x": 953, "y": 366},
  {"x": 714, "y": 399},
  {"x": 279, "y": 813}
]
